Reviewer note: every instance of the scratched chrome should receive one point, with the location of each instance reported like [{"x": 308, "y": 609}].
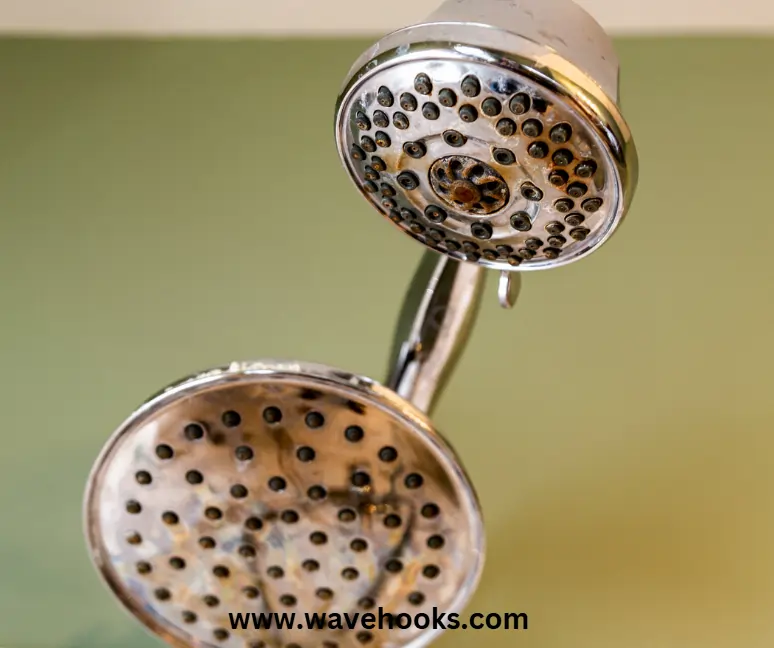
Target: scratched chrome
[
  {"x": 186, "y": 529},
  {"x": 529, "y": 92}
]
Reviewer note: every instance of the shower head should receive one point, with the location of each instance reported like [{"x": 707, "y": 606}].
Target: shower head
[
  {"x": 491, "y": 133},
  {"x": 281, "y": 487}
]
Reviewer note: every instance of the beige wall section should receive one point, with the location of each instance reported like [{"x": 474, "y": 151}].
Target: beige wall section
[
  {"x": 168, "y": 207},
  {"x": 224, "y": 17}
]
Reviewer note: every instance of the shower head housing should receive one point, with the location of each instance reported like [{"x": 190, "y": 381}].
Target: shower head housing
[
  {"x": 267, "y": 487},
  {"x": 491, "y": 132}
]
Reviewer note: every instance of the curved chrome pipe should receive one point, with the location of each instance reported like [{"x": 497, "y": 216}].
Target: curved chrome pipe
[{"x": 438, "y": 315}]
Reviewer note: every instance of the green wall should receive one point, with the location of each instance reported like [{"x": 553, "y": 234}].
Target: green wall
[{"x": 169, "y": 206}]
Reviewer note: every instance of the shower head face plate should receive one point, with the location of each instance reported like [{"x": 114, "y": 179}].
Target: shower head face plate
[
  {"x": 271, "y": 487},
  {"x": 483, "y": 156}
]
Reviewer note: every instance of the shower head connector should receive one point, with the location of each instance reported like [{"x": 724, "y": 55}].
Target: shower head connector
[{"x": 491, "y": 133}]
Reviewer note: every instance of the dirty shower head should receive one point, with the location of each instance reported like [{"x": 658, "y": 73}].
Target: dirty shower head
[
  {"x": 491, "y": 132},
  {"x": 291, "y": 487}
]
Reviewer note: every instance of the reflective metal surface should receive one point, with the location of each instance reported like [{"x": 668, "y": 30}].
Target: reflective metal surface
[
  {"x": 495, "y": 133},
  {"x": 277, "y": 486},
  {"x": 438, "y": 315}
]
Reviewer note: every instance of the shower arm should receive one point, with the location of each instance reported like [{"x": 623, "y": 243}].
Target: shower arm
[{"x": 438, "y": 314}]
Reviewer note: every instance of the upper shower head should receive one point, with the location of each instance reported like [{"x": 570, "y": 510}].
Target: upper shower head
[
  {"x": 491, "y": 132},
  {"x": 282, "y": 487}
]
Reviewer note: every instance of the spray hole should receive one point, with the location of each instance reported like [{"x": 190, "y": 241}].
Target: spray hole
[
  {"x": 361, "y": 479},
  {"x": 354, "y": 433},
  {"x": 289, "y": 517},
  {"x": 394, "y": 566},
  {"x": 244, "y": 453},
  {"x": 133, "y": 507},
  {"x": 277, "y": 484},
  {"x": 416, "y": 598},
  {"x": 347, "y": 515},
  {"x": 193, "y": 431},
  {"x": 221, "y": 571},
  {"x": 231, "y": 419},
  {"x": 162, "y": 594},
  {"x": 164, "y": 451},
  {"x": 392, "y": 521},
  {"x": 431, "y": 111},
  {"x": 381, "y": 120},
  {"x": 367, "y": 603},
  {"x": 247, "y": 551},
  {"x": 143, "y": 477},
  {"x": 305, "y": 454},
  {"x": 577, "y": 189},
  {"x": 384, "y": 97},
  {"x": 238, "y": 491},
  {"x": 435, "y": 542},
  {"x": 324, "y": 594},
  {"x": 447, "y": 97},
  {"x": 206, "y": 542},
  {"x": 177, "y": 563},
  {"x": 272, "y": 415},
  {"x": 562, "y": 157},
  {"x": 250, "y": 592},
  {"x": 314, "y": 420},
  {"x": 170, "y": 517},
  {"x": 194, "y": 477},
  {"x": 143, "y": 567},
  {"x": 310, "y": 565},
  {"x": 317, "y": 493},
  {"x": 318, "y": 538},
  {"x": 408, "y": 102},
  {"x": 470, "y": 86},
  {"x": 275, "y": 571},
  {"x": 414, "y": 481},
  {"x": 349, "y": 573},
  {"x": 254, "y": 524},
  {"x": 213, "y": 513},
  {"x": 288, "y": 600},
  {"x": 431, "y": 571},
  {"x": 519, "y": 103},
  {"x": 358, "y": 545},
  {"x": 592, "y": 205},
  {"x": 430, "y": 511},
  {"x": 211, "y": 601},
  {"x": 388, "y": 454}
]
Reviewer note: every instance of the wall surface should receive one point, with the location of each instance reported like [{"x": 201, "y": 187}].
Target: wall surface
[
  {"x": 317, "y": 17},
  {"x": 171, "y": 206}
]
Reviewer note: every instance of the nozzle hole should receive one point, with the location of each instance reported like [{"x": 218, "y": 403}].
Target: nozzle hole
[{"x": 231, "y": 419}]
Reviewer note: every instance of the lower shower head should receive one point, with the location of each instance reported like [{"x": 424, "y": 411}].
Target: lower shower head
[
  {"x": 275, "y": 487},
  {"x": 491, "y": 133}
]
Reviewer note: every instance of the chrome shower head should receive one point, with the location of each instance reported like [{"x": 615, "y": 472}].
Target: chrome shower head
[
  {"x": 270, "y": 486},
  {"x": 491, "y": 132}
]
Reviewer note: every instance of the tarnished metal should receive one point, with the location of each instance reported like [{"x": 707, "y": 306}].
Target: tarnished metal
[
  {"x": 527, "y": 90},
  {"x": 276, "y": 486}
]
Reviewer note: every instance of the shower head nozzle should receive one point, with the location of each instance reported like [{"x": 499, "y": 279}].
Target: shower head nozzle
[{"x": 491, "y": 133}]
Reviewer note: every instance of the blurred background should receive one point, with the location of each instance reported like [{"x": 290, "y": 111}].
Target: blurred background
[{"x": 171, "y": 199}]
